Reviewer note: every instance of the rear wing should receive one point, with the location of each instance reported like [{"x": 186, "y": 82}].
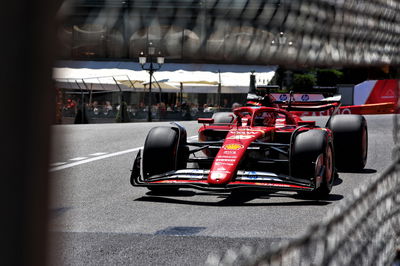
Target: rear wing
[
  {"x": 313, "y": 107},
  {"x": 317, "y": 99},
  {"x": 294, "y": 104},
  {"x": 262, "y": 90}
]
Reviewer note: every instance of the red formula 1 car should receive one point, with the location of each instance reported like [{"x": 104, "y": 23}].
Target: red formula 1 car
[{"x": 255, "y": 147}]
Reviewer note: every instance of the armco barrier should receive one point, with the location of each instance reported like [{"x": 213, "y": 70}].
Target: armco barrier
[{"x": 363, "y": 230}]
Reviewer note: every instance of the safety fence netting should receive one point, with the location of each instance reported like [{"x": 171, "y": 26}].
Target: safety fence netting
[
  {"x": 363, "y": 230},
  {"x": 286, "y": 32}
]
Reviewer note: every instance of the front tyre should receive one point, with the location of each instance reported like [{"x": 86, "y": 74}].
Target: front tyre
[
  {"x": 312, "y": 157},
  {"x": 163, "y": 151}
]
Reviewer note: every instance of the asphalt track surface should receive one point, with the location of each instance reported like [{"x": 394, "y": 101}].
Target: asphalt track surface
[{"x": 98, "y": 218}]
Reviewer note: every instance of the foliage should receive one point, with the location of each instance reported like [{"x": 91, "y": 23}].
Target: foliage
[
  {"x": 329, "y": 77},
  {"x": 304, "y": 82}
]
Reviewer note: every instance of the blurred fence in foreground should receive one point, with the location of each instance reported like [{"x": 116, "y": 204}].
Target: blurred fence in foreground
[
  {"x": 364, "y": 230},
  {"x": 291, "y": 32}
]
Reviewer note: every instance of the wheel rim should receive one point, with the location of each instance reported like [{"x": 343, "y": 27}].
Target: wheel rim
[
  {"x": 319, "y": 163},
  {"x": 329, "y": 166}
]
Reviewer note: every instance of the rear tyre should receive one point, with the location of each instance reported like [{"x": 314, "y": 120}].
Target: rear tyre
[
  {"x": 350, "y": 138},
  {"x": 163, "y": 151},
  {"x": 312, "y": 158}
]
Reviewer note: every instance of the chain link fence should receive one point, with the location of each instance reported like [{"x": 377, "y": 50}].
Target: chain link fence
[
  {"x": 363, "y": 230},
  {"x": 286, "y": 32}
]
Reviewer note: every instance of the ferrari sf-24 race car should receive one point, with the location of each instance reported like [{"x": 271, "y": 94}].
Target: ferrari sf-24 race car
[{"x": 255, "y": 147}]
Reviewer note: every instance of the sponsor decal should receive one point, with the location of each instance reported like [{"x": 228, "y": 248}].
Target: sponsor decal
[
  {"x": 221, "y": 168},
  {"x": 247, "y": 132},
  {"x": 226, "y": 164},
  {"x": 305, "y": 97},
  {"x": 258, "y": 173},
  {"x": 233, "y": 146},
  {"x": 274, "y": 184},
  {"x": 225, "y": 160},
  {"x": 389, "y": 94},
  {"x": 239, "y": 137},
  {"x": 188, "y": 176},
  {"x": 217, "y": 175},
  {"x": 227, "y": 156},
  {"x": 251, "y": 173},
  {"x": 259, "y": 178},
  {"x": 345, "y": 111},
  {"x": 283, "y": 97},
  {"x": 191, "y": 171},
  {"x": 229, "y": 152}
]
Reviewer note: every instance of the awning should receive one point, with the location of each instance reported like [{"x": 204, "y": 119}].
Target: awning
[{"x": 129, "y": 76}]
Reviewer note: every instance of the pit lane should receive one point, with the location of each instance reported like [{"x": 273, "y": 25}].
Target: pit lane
[{"x": 98, "y": 218}]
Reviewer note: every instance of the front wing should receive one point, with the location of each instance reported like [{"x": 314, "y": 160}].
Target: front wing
[{"x": 197, "y": 178}]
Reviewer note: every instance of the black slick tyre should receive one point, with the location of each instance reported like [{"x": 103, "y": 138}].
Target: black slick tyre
[
  {"x": 312, "y": 159},
  {"x": 350, "y": 138},
  {"x": 162, "y": 152}
]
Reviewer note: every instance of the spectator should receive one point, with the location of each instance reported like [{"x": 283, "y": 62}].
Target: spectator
[
  {"x": 162, "y": 109},
  {"x": 235, "y": 105},
  {"x": 207, "y": 108},
  {"x": 177, "y": 106},
  {"x": 95, "y": 108},
  {"x": 108, "y": 108},
  {"x": 225, "y": 104},
  {"x": 185, "y": 111},
  {"x": 193, "y": 109},
  {"x": 142, "y": 106}
]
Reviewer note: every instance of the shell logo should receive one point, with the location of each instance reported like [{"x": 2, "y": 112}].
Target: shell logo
[{"x": 233, "y": 146}]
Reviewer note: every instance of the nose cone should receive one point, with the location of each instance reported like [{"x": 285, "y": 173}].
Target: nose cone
[
  {"x": 231, "y": 153},
  {"x": 219, "y": 177}
]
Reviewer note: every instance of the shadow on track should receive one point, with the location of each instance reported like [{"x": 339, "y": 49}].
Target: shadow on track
[
  {"x": 363, "y": 171},
  {"x": 242, "y": 198},
  {"x": 337, "y": 181}
]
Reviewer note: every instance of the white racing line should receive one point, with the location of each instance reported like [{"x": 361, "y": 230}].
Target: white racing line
[{"x": 62, "y": 166}]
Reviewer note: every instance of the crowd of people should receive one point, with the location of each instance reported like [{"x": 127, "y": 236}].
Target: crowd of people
[{"x": 160, "y": 110}]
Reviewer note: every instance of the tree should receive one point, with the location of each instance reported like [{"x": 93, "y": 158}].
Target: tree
[
  {"x": 329, "y": 77},
  {"x": 304, "y": 82}
]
